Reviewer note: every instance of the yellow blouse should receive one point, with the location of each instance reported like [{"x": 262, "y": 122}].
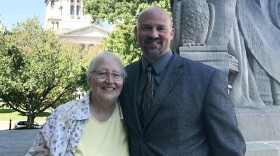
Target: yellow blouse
[{"x": 104, "y": 138}]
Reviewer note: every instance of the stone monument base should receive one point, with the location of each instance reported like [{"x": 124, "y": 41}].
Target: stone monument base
[
  {"x": 263, "y": 148},
  {"x": 260, "y": 127},
  {"x": 215, "y": 56}
]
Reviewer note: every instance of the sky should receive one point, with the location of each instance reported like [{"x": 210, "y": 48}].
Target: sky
[{"x": 13, "y": 11}]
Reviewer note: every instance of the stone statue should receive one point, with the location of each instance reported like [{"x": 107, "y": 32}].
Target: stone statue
[
  {"x": 255, "y": 42},
  {"x": 251, "y": 31},
  {"x": 193, "y": 21}
]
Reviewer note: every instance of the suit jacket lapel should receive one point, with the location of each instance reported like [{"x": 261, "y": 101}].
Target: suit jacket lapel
[{"x": 171, "y": 76}]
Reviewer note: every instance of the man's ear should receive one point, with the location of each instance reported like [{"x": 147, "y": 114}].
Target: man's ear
[
  {"x": 88, "y": 81},
  {"x": 173, "y": 32}
]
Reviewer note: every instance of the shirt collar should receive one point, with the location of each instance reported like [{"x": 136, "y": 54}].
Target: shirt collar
[{"x": 160, "y": 64}]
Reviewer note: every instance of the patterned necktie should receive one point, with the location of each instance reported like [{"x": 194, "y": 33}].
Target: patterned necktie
[{"x": 147, "y": 93}]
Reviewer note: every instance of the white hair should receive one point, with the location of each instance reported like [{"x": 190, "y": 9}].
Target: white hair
[{"x": 104, "y": 54}]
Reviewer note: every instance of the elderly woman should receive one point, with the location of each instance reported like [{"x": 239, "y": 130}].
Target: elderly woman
[{"x": 91, "y": 125}]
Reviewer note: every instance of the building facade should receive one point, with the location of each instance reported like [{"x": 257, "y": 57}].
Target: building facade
[{"x": 66, "y": 17}]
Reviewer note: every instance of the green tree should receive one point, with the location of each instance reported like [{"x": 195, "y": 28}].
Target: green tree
[
  {"x": 123, "y": 13},
  {"x": 37, "y": 70}
]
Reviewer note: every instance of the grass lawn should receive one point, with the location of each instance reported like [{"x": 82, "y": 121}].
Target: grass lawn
[{"x": 6, "y": 114}]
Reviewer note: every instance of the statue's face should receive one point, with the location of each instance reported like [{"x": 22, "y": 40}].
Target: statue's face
[{"x": 154, "y": 33}]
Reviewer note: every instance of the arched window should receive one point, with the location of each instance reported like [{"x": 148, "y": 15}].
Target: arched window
[
  {"x": 78, "y": 10},
  {"x": 52, "y": 4},
  {"x": 60, "y": 10},
  {"x": 72, "y": 10}
]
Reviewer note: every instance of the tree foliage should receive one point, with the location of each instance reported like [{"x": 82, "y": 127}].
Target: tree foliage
[
  {"x": 37, "y": 70},
  {"x": 122, "y": 13}
]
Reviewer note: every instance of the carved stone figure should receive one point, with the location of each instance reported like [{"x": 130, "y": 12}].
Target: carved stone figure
[
  {"x": 251, "y": 31},
  {"x": 255, "y": 42},
  {"x": 193, "y": 21}
]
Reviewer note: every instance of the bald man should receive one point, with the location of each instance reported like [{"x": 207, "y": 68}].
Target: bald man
[{"x": 188, "y": 111}]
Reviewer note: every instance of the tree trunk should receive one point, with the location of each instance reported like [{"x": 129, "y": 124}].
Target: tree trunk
[{"x": 30, "y": 121}]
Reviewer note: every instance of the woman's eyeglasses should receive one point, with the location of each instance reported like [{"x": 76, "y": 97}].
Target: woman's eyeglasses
[{"x": 105, "y": 75}]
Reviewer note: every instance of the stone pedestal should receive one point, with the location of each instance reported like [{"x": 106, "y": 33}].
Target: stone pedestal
[
  {"x": 260, "y": 127},
  {"x": 263, "y": 148},
  {"x": 259, "y": 123},
  {"x": 215, "y": 56}
]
